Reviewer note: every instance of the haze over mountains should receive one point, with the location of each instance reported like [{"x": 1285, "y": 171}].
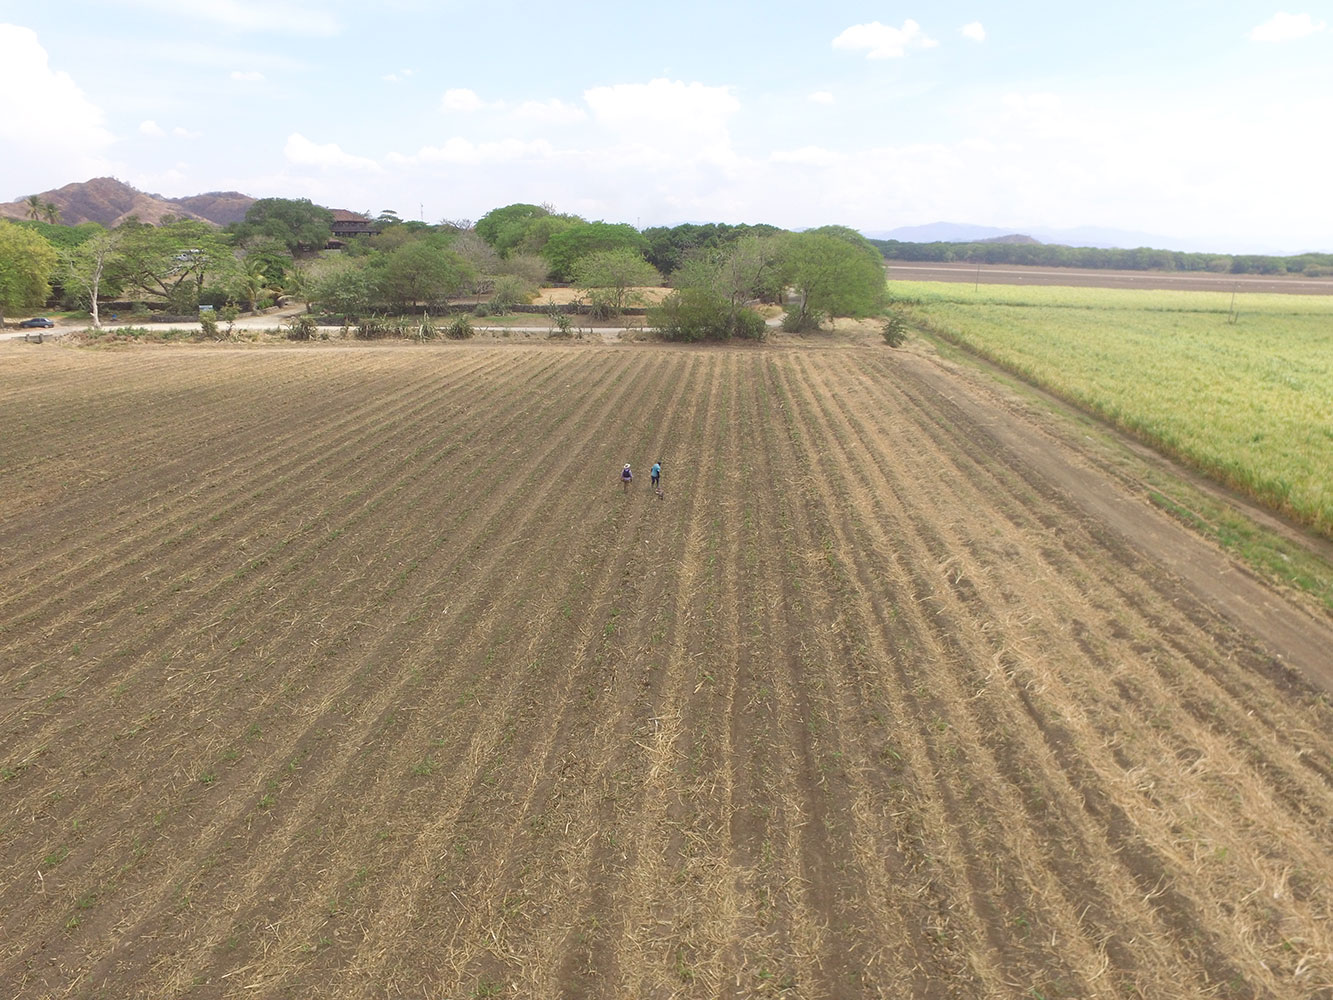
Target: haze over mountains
[
  {"x": 1080, "y": 236},
  {"x": 110, "y": 202}
]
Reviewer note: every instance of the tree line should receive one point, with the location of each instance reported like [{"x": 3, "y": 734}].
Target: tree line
[
  {"x": 1313, "y": 265},
  {"x": 717, "y": 273}
]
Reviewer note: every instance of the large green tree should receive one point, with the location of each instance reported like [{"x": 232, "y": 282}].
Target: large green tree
[
  {"x": 503, "y": 228},
  {"x": 419, "y": 272},
  {"x": 523, "y": 228},
  {"x": 831, "y": 276},
  {"x": 613, "y": 273},
  {"x": 84, "y": 266},
  {"x": 714, "y": 289},
  {"x": 26, "y": 264},
  {"x": 668, "y": 248},
  {"x": 296, "y": 223},
  {"x": 345, "y": 288},
  {"x": 567, "y": 246},
  {"x": 174, "y": 260}
]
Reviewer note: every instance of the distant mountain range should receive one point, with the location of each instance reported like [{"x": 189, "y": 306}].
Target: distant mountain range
[
  {"x": 1081, "y": 236},
  {"x": 111, "y": 202},
  {"x": 1084, "y": 236}
]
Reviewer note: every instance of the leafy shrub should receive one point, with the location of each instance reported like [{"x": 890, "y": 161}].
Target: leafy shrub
[
  {"x": 460, "y": 328},
  {"x": 228, "y": 315},
  {"x": 481, "y": 310},
  {"x": 427, "y": 330},
  {"x": 794, "y": 322},
  {"x": 749, "y": 325},
  {"x": 373, "y": 328},
  {"x": 895, "y": 329},
  {"x": 208, "y": 324},
  {"x": 510, "y": 290},
  {"x": 302, "y": 328},
  {"x": 561, "y": 325},
  {"x": 693, "y": 314}
]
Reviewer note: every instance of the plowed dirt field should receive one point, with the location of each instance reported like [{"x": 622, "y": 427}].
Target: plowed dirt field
[{"x": 351, "y": 672}]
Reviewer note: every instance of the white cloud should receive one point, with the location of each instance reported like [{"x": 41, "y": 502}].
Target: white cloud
[
  {"x": 463, "y": 99},
  {"x": 811, "y": 156},
  {"x": 398, "y": 77},
  {"x": 247, "y": 76},
  {"x": 670, "y": 115},
  {"x": 153, "y": 130},
  {"x": 458, "y": 150},
  {"x": 40, "y": 107},
  {"x": 883, "y": 42},
  {"x": 266, "y": 16},
  {"x": 974, "y": 30},
  {"x": 1283, "y": 27},
  {"x": 552, "y": 112},
  {"x": 302, "y": 152},
  {"x": 821, "y": 97}
]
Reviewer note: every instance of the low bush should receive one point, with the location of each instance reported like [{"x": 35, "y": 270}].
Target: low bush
[
  {"x": 561, "y": 325},
  {"x": 894, "y": 329},
  {"x": 694, "y": 314},
  {"x": 793, "y": 321},
  {"x": 510, "y": 290},
  {"x": 460, "y": 328},
  {"x": 302, "y": 328}
]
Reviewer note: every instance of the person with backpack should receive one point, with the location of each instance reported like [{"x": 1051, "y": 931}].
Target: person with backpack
[{"x": 626, "y": 477}]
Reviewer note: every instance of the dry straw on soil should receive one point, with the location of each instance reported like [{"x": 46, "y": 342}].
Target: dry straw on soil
[{"x": 352, "y": 673}]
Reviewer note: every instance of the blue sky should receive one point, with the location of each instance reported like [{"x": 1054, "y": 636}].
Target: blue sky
[{"x": 1207, "y": 123}]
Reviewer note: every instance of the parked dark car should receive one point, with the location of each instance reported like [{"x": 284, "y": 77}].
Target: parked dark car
[{"x": 40, "y": 321}]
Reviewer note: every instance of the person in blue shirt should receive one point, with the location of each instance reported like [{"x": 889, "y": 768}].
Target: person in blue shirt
[{"x": 657, "y": 472}]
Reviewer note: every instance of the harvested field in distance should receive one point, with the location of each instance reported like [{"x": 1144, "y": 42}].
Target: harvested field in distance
[
  {"x": 1027, "y": 275},
  {"x": 349, "y": 671},
  {"x": 1246, "y": 398}
]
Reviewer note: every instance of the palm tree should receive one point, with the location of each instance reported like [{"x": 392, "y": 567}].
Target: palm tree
[
  {"x": 52, "y": 212},
  {"x": 34, "y": 203}
]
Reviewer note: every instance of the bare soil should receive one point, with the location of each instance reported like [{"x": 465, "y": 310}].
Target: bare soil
[
  {"x": 1021, "y": 274},
  {"x": 349, "y": 671}
]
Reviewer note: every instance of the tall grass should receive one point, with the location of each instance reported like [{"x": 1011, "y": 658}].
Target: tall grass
[{"x": 1245, "y": 396}]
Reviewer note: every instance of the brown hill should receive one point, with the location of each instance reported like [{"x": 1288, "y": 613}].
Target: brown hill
[
  {"x": 111, "y": 202},
  {"x": 222, "y": 207}
]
